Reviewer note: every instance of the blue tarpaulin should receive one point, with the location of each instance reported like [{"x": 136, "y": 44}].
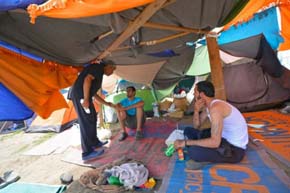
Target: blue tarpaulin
[
  {"x": 256, "y": 173},
  {"x": 11, "y": 107},
  {"x": 20, "y": 51},
  {"x": 15, "y": 4},
  {"x": 265, "y": 22}
]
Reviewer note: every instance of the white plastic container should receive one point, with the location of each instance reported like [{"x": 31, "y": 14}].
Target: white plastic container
[{"x": 87, "y": 110}]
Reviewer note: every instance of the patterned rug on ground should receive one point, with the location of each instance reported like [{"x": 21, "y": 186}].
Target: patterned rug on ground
[
  {"x": 271, "y": 129},
  {"x": 256, "y": 173},
  {"x": 149, "y": 150}
]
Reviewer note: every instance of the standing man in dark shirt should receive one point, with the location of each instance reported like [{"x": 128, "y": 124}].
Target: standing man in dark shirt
[{"x": 83, "y": 92}]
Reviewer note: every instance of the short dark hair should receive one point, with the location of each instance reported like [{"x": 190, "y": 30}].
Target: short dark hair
[
  {"x": 109, "y": 62},
  {"x": 206, "y": 87},
  {"x": 131, "y": 87}
]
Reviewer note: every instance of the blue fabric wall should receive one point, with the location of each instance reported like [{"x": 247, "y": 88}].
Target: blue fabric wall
[
  {"x": 11, "y": 107},
  {"x": 6, "y": 5},
  {"x": 19, "y": 51},
  {"x": 265, "y": 22}
]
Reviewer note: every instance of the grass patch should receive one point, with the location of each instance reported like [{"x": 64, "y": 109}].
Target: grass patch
[
  {"x": 22, "y": 149},
  {"x": 9, "y": 135},
  {"x": 43, "y": 138}
]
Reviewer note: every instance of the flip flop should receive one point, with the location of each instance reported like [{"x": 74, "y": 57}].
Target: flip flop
[{"x": 8, "y": 178}]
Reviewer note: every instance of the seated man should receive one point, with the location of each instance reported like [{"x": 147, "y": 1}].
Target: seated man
[
  {"x": 131, "y": 114},
  {"x": 227, "y": 139}
]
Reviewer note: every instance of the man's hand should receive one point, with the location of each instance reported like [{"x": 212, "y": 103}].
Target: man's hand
[
  {"x": 85, "y": 103},
  {"x": 179, "y": 144},
  {"x": 111, "y": 105},
  {"x": 119, "y": 107},
  {"x": 198, "y": 105},
  {"x": 96, "y": 61}
]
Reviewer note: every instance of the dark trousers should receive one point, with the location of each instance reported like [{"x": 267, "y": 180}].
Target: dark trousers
[
  {"x": 225, "y": 153},
  {"x": 131, "y": 121},
  {"x": 88, "y": 123}
]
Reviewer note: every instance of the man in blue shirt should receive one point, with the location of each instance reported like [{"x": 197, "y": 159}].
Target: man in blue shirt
[{"x": 131, "y": 114}]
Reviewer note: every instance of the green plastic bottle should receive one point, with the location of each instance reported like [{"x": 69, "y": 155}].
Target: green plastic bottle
[
  {"x": 170, "y": 150},
  {"x": 114, "y": 181}
]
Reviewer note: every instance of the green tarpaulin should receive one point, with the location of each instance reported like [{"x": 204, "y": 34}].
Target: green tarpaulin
[{"x": 200, "y": 64}]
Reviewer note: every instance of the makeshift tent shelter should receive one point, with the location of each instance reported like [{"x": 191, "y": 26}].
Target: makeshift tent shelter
[
  {"x": 253, "y": 75},
  {"x": 253, "y": 82},
  {"x": 172, "y": 24},
  {"x": 267, "y": 22},
  {"x": 257, "y": 82},
  {"x": 257, "y": 6},
  {"x": 140, "y": 35},
  {"x": 11, "y": 126},
  {"x": 58, "y": 121}
]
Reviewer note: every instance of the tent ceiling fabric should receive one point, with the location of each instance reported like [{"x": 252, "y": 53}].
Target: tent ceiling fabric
[
  {"x": 74, "y": 41},
  {"x": 132, "y": 72},
  {"x": 256, "y": 47}
]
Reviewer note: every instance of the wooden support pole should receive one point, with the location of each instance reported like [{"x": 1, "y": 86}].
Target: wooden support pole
[
  {"x": 154, "y": 42},
  {"x": 216, "y": 66},
  {"x": 173, "y": 28},
  {"x": 134, "y": 26},
  {"x": 100, "y": 113}
]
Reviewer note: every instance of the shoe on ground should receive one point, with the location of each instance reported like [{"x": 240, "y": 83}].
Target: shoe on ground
[
  {"x": 193, "y": 165},
  {"x": 285, "y": 110},
  {"x": 123, "y": 136},
  {"x": 138, "y": 135},
  {"x": 100, "y": 144},
  {"x": 93, "y": 155},
  {"x": 8, "y": 178},
  {"x": 66, "y": 178}
]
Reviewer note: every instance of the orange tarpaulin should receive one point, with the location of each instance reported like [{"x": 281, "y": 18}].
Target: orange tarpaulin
[
  {"x": 83, "y": 8},
  {"x": 285, "y": 23},
  {"x": 36, "y": 84},
  {"x": 250, "y": 9},
  {"x": 271, "y": 129},
  {"x": 254, "y": 6}
]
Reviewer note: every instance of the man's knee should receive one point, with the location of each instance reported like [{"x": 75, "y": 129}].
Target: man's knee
[
  {"x": 196, "y": 153},
  {"x": 121, "y": 115},
  {"x": 139, "y": 110}
]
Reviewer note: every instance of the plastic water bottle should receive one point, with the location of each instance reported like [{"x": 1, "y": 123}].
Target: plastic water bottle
[
  {"x": 87, "y": 110},
  {"x": 180, "y": 154},
  {"x": 155, "y": 109}
]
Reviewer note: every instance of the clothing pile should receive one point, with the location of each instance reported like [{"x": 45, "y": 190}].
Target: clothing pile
[{"x": 118, "y": 176}]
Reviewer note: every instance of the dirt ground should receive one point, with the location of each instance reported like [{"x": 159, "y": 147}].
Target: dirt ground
[{"x": 35, "y": 169}]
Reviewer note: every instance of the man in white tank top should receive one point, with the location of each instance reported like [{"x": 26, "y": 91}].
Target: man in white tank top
[{"x": 225, "y": 141}]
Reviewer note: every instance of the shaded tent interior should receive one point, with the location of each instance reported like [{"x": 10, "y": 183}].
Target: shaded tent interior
[{"x": 256, "y": 80}]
